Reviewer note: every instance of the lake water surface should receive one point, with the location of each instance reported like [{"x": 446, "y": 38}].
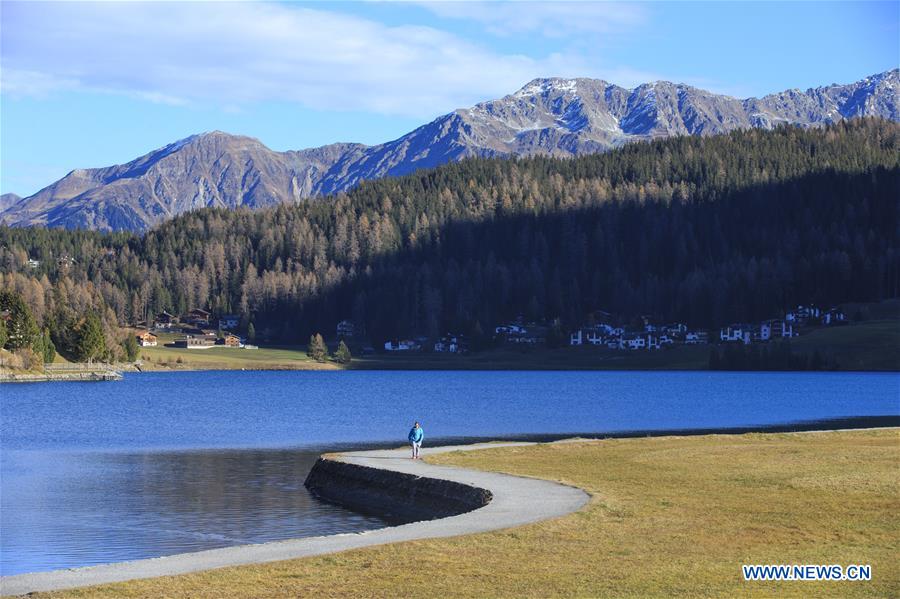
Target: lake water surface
[{"x": 163, "y": 463}]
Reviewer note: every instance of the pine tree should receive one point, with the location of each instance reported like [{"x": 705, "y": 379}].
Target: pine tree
[
  {"x": 21, "y": 330},
  {"x": 131, "y": 348},
  {"x": 316, "y": 348},
  {"x": 48, "y": 350},
  {"x": 342, "y": 353},
  {"x": 90, "y": 344}
]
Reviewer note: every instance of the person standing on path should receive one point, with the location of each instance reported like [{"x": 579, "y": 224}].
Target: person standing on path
[{"x": 416, "y": 434}]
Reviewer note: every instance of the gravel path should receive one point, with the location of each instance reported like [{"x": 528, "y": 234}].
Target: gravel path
[{"x": 516, "y": 501}]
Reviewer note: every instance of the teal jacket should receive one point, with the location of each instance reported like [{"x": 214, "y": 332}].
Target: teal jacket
[{"x": 416, "y": 434}]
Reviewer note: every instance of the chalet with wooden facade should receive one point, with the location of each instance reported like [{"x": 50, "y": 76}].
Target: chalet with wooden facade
[
  {"x": 198, "y": 318},
  {"x": 201, "y": 341},
  {"x": 230, "y": 340},
  {"x": 146, "y": 339},
  {"x": 164, "y": 320}
]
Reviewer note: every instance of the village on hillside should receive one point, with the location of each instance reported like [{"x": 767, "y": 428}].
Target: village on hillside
[
  {"x": 653, "y": 335},
  {"x": 199, "y": 329}
]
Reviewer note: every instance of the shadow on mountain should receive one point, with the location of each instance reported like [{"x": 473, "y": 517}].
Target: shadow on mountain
[{"x": 827, "y": 237}]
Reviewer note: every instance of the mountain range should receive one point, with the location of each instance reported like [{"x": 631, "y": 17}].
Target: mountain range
[{"x": 558, "y": 117}]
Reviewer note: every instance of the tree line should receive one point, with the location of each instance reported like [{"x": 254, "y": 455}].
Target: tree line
[
  {"x": 703, "y": 230},
  {"x": 775, "y": 356},
  {"x": 33, "y": 346}
]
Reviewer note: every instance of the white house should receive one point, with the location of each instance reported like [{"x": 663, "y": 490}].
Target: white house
[
  {"x": 506, "y": 329},
  {"x": 576, "y": 338},
  {"x": 736, "y": 333},
  {"x": 229, "y": 321},
  {"x": 833, "y": 316},
  {"x": 595, "y": 337},
  {"x": 676, "y": 328},
  {"x": 696, "y": 338},
  {"x": 633, "y": 342},
  {"x": 780, "y": 329},
  {"x": 802, "y": 314},
  {"x": 404, "y": 345},
  {"x": 761, "y": 332},
  {"x": 452, "y": 344}
]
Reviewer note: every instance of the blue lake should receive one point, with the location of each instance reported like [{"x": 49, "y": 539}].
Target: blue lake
[{"x": 164, "y": 463}]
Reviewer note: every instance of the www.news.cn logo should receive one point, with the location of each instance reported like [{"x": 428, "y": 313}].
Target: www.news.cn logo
[{"x": 807, "y": 572}]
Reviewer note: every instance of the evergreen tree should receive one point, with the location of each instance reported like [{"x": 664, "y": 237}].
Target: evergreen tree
[
  {"x": 48, "y": 350},
  {"x": 90, "y": 343},
  {"x": 251, "y": 333},
  {"x": 316, "y": 348},
  {"x": 342, "y": 353},
  {"x": 21, "y": 329},
  {"x": 131, "y": 348}
]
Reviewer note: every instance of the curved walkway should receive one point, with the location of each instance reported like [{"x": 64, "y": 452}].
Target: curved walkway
[{"x": 516, "y": 501}]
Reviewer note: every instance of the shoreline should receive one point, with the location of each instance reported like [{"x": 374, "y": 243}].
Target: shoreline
[
  {"x": 511, "y": 504},
  {"x": 86, "y": 376},
  {"x": 386, "y": 460},
  {"x": 335, "y": 368}
]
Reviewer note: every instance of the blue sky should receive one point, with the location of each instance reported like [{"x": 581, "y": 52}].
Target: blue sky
[{"x": 87, "y": 85}]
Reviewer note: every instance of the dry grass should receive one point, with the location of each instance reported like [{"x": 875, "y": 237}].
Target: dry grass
[
  {"x": 222, "y": 358},
  {"x": 672, "y": 516}
]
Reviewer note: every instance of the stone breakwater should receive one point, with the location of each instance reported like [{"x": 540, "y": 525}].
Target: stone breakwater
[
  {"x": 476, "y": 502},
  {"x": 398, "y": 496},
  {"x": 74, "y": 376}
]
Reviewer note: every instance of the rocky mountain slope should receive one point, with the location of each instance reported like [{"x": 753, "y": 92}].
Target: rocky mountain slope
[
  {"x": 7, "y": 200},
  {"x": 561, "y": 117}
]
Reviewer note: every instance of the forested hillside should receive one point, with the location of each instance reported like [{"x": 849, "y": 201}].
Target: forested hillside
[{"x": 702, "y": 230}]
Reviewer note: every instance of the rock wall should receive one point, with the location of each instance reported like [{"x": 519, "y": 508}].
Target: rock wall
[
  {"x": 396, "y": 496},
  {"x": 9, "y": 377}
]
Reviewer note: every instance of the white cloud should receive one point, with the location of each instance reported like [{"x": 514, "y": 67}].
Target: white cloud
[
  {"x": 232, "y": 54},
  {"x": 33, "y": 83},
  {"x": 549, "y": 19}
]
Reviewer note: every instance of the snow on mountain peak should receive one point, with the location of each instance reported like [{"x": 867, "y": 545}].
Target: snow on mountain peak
[
  {"x": 541, "y": 86},
  {"x": 555, "y": 116}
]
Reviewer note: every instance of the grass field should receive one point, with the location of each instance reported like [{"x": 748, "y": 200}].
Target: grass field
[
  {"x": 870, "y": 345},
  {"x": 669, "y": 517},
  {"x": 227, "y": 358},
  {"x": 564, "y": 358}
]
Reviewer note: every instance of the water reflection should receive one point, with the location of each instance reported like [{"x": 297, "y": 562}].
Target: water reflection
[
  {"x": 103, "y": 472},
  {"x": 90, "y": 508}
]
